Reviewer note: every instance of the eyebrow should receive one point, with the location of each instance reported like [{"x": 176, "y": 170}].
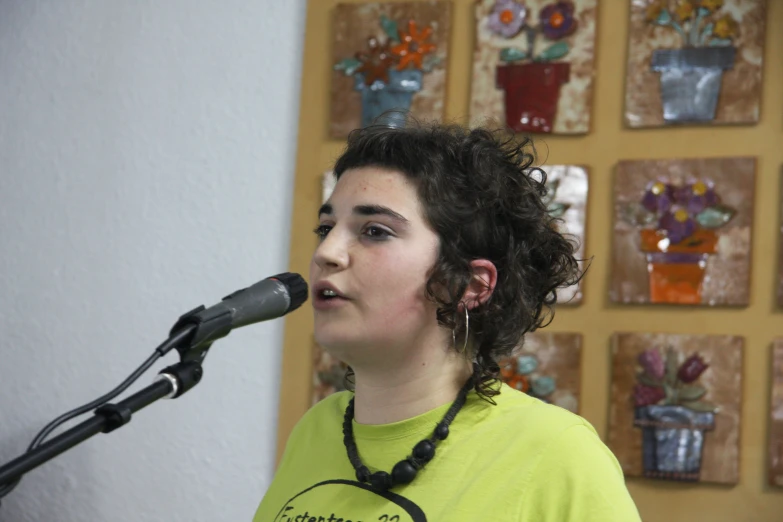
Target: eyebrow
[{"x": 366, "y": 210}]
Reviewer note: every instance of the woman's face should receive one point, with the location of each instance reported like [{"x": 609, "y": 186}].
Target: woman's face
[{"x": 375, "y": 254}]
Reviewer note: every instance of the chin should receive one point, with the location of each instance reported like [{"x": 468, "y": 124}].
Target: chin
[
  {"x": 345, "y": 343},
  {"x": 334, "y": 339}
]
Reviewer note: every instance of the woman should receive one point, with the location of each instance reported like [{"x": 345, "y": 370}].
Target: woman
[{"x": 436, "y": 256}]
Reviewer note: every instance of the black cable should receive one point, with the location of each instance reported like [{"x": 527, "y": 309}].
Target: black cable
[
  {"x": 159, "y": 352},
  {"x": 65, "y": 417}
]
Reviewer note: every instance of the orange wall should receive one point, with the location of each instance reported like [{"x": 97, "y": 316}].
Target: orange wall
[{"x": 596, "y": 318}]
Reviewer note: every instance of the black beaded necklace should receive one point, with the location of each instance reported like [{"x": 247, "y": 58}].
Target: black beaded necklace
[{"x": 405, "y": 470}]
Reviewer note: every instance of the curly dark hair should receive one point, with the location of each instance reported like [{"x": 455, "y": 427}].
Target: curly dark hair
[{"x": 483, "y": 197}]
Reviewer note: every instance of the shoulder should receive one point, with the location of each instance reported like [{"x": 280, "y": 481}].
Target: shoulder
[
  {"x": 319, "y": 425},
  {"x": 542, "y": 434},
  {"x": 577, "y": 478},
  {"x": 526, "y": 416},
  {"x": 555, "y": 430},
  {"x": 569, "y": 473},
  {"x": 322, "y": 415}
]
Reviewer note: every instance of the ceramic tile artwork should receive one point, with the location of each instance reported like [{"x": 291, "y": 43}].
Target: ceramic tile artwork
[
  {"x": 533, "y": 65},
  {"x": 567, "y": 200},
  {"x": 775, "y": 467},
  {"x": 675, "y": 406},
  {"x": 388, "y": 56},
  {"x": 548, "y": 367},
  {"x": 682, "y": 231},
  {"x": 694, "y": 62}
]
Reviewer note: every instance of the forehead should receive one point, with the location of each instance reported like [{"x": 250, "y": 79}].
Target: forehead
[{"x": 373, "y": 185}]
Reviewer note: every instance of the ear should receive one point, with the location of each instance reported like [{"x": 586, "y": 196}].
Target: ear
[{"x": 482, "y": 283}]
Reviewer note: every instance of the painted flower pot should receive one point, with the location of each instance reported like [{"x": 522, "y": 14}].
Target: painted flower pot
[
  {"x": 690, "y": 81},
  {"x": 396, "y": 94},
  {"x": 672, "y": 441},
  {"x": 532, "y": 91},
  {"x": 676, "y": 272}
]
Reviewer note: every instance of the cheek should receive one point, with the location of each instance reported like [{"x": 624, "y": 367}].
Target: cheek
[{"x": 399, "y": 281}]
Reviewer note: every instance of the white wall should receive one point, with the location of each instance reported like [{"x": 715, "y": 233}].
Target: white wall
[{"x": 147, "y": 151}]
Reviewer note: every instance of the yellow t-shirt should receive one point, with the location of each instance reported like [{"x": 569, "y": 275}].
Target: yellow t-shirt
[{"x": 518, "y": 461}]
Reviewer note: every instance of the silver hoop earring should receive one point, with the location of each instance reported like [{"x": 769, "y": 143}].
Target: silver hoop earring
[{"x": 467, "y": 330}]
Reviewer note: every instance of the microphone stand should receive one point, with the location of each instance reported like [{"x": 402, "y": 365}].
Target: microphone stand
[
  {"x": 192, "y": 336},
  {"x": 106, "y": 419}
]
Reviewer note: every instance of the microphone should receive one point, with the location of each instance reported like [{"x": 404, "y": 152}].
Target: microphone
[{"x": 268, "y": 299}]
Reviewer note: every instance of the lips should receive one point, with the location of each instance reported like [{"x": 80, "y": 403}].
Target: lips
[
  {"x": 322, "y": 288},
  {"x": 326, "y": 296}
]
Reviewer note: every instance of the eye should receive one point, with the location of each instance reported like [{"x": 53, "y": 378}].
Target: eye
[
  {"x": 321, "y": 231},
  {"x": 376, "y": 232}
]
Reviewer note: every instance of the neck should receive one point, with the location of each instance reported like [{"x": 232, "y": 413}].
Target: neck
[{"x": 427, "y": 380}]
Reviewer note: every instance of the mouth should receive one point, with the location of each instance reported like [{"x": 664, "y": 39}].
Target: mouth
[{"x": 327, "y": 296}]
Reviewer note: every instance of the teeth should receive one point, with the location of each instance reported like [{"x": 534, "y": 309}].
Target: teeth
[{"x": 329, "y": 293}]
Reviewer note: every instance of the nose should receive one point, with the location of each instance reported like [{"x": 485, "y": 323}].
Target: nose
[{"x": 332, "y": 252}]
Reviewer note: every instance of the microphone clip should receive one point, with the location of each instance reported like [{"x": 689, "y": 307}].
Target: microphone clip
[{"x": 206, "y": 325}]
